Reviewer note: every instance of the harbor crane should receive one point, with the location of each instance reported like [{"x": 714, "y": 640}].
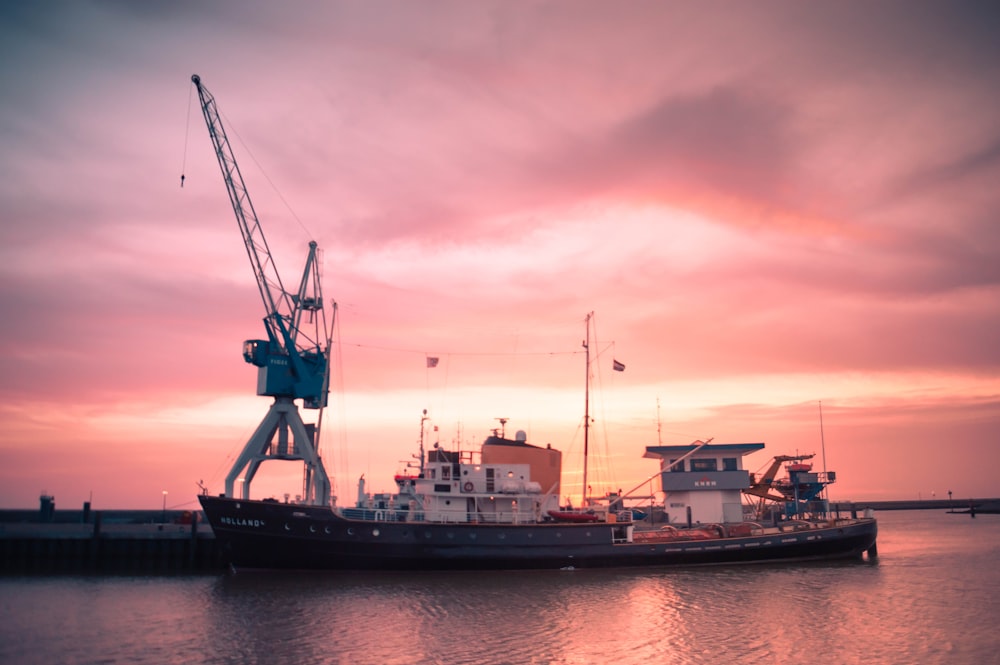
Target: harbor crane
[{"x": 293, "y": 363}]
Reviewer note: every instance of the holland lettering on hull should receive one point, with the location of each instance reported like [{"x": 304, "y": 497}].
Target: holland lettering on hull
[{"x": 240, "y": 521}]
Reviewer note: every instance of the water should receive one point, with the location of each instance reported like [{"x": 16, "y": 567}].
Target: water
[{"x": 932, "y": 597}]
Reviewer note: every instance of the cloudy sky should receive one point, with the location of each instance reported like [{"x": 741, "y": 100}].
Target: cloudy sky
[{"x": 768, "y": 207}]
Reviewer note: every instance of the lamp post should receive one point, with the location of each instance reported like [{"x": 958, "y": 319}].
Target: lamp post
[{"x": 164, "y": 506}]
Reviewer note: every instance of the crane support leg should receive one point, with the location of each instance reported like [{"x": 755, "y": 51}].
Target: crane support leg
[{"x": 270, "y": 441}]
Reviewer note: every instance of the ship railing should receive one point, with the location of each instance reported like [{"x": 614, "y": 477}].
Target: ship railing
[
  {"x": 501, "y": 518},
  {"x": 449, "y": 517},
  {"x": 378, "y": 514},
  {"x": 454, "y": 517},
  {"x": 394, "y": 515}
]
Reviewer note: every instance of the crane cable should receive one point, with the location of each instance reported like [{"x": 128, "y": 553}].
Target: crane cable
[
  {"x": 274, "y": 187},
  {"x": 187, "y": 131},
  {"x": 260, "y": 168}
]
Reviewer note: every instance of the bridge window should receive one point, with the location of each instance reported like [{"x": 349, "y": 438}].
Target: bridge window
[
  {"x": 704, "y": 464},
  {"x": 729, "y": 464}
]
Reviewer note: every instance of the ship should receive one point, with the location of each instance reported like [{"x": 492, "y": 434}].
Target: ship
[
  {"x": 498, "y": 508},
  {"x": 495, "y": 507}
]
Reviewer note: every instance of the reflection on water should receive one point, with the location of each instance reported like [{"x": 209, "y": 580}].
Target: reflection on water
[{"x": 930, "y": 598}]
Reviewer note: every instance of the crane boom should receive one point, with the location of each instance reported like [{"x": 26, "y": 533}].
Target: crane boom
[
  {"x": 293, "y": 361},
  {"x": 277, "y": 302}
]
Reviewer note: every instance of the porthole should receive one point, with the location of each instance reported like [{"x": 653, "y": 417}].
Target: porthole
[
  {"x": 375, "y": 532},
  {"x": 350, "y": 531}
]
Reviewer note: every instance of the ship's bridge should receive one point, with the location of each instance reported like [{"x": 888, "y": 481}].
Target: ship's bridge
[{"x": 703, "y": 482}]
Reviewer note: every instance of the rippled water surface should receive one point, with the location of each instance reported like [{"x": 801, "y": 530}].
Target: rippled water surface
[{"x": 932, "y": 597}]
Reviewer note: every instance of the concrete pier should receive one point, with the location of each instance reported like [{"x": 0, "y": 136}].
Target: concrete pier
[{"x": 99, "y": 546}]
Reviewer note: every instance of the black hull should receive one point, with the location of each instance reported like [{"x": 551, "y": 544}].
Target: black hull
[{"x": 270, "y": 535}]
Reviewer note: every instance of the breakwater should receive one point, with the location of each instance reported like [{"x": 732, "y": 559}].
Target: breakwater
[{"x": 949, "y": 505}]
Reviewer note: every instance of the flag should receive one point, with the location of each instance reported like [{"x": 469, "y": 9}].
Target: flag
[
  {"x": 617, "y": 366},
  {"x": 432, "y": 361}
]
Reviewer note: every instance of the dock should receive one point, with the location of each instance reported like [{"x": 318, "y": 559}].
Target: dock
[{"x": 122, "y": 544}]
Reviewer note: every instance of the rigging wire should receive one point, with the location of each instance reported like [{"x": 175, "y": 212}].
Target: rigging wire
[
  {"x": 281, "y": 196},
  {"x": 445, "y": 356},
  {"x": 340, "y": 438},
  {"x": 187, "y": 132},
  {"x": 604, "y": 470}
]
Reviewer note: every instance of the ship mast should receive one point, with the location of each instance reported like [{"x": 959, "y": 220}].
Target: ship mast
[
  {"x": 586, "y": 410},
  {"x": 423, "y": 419},
  {"x": 822, "y": 443}
]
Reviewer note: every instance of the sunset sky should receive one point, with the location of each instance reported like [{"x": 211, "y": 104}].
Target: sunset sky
[{"x": 768, "y": 206}]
